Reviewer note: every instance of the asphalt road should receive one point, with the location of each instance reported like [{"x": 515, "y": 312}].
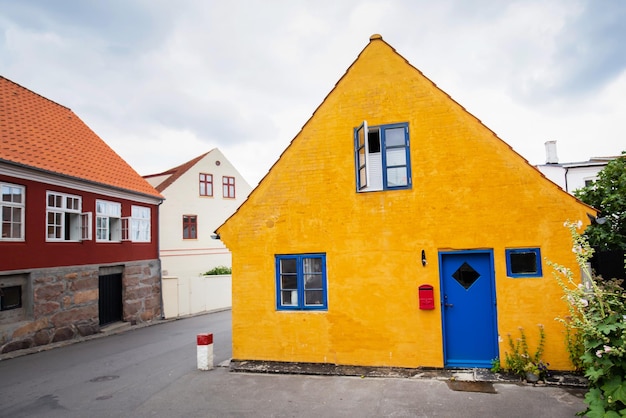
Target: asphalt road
[
  {"x": 152, "y": 372},
  {"x": 108, "y": 376}
]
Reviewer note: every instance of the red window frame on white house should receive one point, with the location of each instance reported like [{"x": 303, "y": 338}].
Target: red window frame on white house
[
  {"x": 206, "y": 184},
  {"x": 228, "y": 187},
  {"x": 190, "y": 227}
]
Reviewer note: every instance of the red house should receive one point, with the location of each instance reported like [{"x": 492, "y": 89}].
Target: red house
[{"x": 79, "y": 243}]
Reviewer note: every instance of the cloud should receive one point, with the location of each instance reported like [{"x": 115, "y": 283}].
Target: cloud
[{"x": 163, "y": 82}]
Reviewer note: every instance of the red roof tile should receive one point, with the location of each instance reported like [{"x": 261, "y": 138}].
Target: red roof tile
[
  {"x": 40, "y": 133},
  {"x": 174, "y": 173}
]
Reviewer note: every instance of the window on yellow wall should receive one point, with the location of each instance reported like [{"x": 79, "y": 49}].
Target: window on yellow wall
[
  {"x": 301, "y": 282},
  {"x": 382, "y": 157},
  {"x": 523, "y": 262}
]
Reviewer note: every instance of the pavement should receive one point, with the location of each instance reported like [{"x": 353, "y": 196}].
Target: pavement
[{"x": 270, "y": 389}]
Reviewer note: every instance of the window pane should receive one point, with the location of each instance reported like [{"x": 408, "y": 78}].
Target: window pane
[
  {"x": 373, "y": 141},
  {"x": 394, "y": 137},
  {"x": 397, "y": 177},
  {"x": 288, "y": 265},
  {"x": 17, "y": 230},
  {"x": 362, "y": 177},
  {"x": 288, "y": 282},
  {"x": 313, "y": 297},
  {"x": 289, "y": 297},
  {"x": 6, "y": 194},
  {"x": 313, "y": 281},
  {"x": 396, "y": 156},
  {"x": 6, "y": 230},
  {"x": 361, "y": 137},
  {"x": 523, "y": 262},
  {"x": 6, "y": 213},
  {"x": 312, "y": 265}
]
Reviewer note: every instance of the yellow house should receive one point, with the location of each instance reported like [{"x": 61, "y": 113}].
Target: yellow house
[{"x": 397, "y": 230}]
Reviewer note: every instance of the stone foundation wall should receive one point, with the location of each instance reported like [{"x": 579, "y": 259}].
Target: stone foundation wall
[
  {"x": 62, "y": 303},
  {"x": 142, "y": 291}
]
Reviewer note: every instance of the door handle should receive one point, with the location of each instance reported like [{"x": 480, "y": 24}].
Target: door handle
[{"x": 448, "y": 305}]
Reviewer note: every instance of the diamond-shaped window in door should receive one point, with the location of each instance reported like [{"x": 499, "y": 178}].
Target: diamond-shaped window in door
[{"x": 466, "y": 275}]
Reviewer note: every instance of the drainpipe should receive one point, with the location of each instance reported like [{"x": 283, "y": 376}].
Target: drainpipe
[{"x": 159, "y": 256}]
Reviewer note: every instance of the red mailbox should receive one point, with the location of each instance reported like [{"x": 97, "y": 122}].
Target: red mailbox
[{"x": 427, "y": 298}]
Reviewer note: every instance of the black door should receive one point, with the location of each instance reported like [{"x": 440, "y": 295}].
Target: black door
[{"x": 110, "y": 299}]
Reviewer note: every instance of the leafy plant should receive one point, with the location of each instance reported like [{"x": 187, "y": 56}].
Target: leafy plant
[
  {"x": 218, "y": 270},
  {"x": 608, "y": 195},
  {"x": 496, "y": 367},
  {"x": 597, "y": 315},
  {"x": 519, "y": 360}
]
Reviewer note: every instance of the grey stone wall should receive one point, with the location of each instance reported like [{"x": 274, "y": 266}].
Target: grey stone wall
[{"x": 62, "y": 303}]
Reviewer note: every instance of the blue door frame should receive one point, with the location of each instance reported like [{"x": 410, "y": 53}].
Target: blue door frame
[{"x": 468, "y": 308}]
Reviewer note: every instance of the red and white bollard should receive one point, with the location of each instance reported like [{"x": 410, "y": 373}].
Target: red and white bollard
[{"x": 205, "y": 351}]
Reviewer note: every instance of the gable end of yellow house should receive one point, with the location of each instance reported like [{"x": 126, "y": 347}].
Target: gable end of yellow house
[{"x": 396, "y": 230}]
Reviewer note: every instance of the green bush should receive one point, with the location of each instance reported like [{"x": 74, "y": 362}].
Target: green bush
[
  {"x": 218, "y": 270},
  {"x": 597, "y": 317}
]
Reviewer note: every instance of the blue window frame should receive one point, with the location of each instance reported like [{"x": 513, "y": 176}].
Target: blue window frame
[
  {"x": 382, "y": 157},
  {"x": 523, "y": 262},
  {"x": 301, "y": 282}
]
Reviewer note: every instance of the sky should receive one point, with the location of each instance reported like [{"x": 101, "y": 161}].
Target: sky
[{"x": 165, "y": 81}]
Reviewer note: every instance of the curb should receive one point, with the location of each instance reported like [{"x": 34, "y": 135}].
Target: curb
[{"x": 561, "y": 379}]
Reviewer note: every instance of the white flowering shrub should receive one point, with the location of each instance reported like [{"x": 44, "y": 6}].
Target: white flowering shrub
[{"x": 596, "y": 327}]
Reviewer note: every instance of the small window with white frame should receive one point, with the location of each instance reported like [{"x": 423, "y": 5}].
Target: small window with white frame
[
  {"x": 108, "y": 221},
  {"x": 64, "y": 219},
  {"x": 137, "y": 227},
  {"x": 12, "y": 206}
]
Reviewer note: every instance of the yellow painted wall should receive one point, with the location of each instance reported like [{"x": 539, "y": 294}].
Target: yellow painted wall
[{"x": 470, "y": 190}]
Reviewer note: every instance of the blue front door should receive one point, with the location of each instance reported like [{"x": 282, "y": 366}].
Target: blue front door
[{"x": 468, "y": 307}]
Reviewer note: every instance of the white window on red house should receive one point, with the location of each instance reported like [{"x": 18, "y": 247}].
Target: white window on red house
[
  {"x": 206, "y": 184},
  {"x": 108, "y": 221},
  {"x": 12, "y": 206},
  {"x": 140, "y": 224},
  {"x": 190, "y": 227},
  {"x": 228, "y": 187},
  {"x": 64, "y": 220}
]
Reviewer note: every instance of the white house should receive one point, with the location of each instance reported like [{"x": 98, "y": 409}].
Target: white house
[
  {"x": 199, "y": 196},
  {"x": 571, "y": 176}
]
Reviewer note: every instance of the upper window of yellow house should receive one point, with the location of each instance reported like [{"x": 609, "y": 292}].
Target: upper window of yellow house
[{"x": 382, "y": 157}]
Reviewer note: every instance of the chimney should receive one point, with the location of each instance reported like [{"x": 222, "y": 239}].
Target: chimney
[{"x": 551, "y": 157}]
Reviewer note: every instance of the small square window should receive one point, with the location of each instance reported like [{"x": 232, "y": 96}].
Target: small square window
[
  {"x": 523, "y": 262},
  {"x": 10, "y": 298}
]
